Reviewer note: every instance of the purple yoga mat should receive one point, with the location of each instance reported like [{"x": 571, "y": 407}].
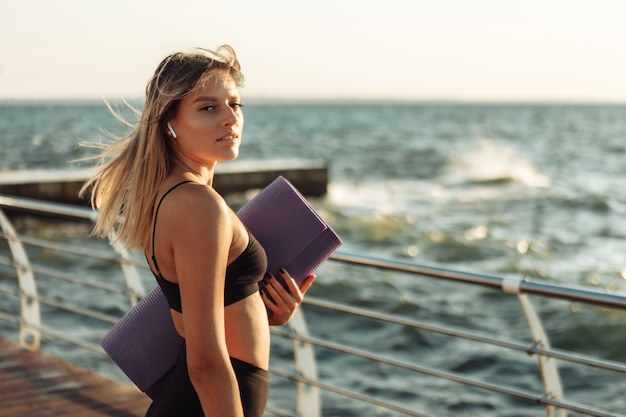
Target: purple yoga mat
[
  {"x": 144, "y": 343},
  {"x": 292, "y": 233}
]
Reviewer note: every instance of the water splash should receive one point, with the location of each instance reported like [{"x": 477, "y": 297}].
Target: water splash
[{"x": 488, "y": 162}]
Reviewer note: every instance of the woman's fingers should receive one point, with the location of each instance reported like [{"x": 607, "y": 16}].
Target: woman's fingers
[
  {"x": 282, "y": 300},
  {"x": 306, "y": 284}
]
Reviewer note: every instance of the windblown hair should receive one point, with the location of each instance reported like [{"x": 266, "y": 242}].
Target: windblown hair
[{"x": 132, "y": 168}]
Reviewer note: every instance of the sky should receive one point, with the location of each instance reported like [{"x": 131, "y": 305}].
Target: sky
[{"x": 467, "y": 50}]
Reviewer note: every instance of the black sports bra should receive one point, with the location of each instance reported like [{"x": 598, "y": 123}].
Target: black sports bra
[{"x": 242, "y": 275}]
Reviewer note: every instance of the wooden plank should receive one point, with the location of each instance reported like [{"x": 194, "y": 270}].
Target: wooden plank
[{"x": 33, "y": 384}]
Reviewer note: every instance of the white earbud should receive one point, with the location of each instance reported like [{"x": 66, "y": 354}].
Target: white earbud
[{"x": 171, "y": 129}]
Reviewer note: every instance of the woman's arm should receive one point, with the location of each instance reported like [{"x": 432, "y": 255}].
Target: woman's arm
[
  {"x": 201, "y": 235},
  {"x": 282, "y": 302}
]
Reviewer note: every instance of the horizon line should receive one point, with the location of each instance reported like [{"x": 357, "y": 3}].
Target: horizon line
[{"x": 347, "y": 100}]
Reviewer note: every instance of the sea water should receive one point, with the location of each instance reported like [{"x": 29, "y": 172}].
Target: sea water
[{"x": 529, "y": 190}]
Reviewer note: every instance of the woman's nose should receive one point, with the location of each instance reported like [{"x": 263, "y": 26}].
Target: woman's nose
[{"x": 231, "y": 116}]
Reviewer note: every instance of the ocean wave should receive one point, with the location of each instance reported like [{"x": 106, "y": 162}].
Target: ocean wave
[{"x": 490, "y": 162}]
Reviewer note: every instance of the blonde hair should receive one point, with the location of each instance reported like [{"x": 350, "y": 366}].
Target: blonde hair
[{"x": 132, "y": 168}]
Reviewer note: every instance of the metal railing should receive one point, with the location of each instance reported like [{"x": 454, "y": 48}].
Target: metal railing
[{"x": 306, "y": 360}]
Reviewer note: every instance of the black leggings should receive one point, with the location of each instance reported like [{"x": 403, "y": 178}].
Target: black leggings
[{"x": 179, "y": 398}]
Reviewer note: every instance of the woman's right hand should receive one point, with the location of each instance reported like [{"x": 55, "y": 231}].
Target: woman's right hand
[{"x": 282, "y": 302}]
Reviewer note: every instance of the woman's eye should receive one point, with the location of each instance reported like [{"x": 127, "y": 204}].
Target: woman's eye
[
  {"x": 236, "y": 105},
  {"x": 208, "y": 108}
]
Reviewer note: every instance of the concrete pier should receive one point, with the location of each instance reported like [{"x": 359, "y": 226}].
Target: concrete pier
[{"x": 309, "y": 177}]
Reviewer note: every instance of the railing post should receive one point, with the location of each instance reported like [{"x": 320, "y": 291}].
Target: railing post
[
  {"x": 308, "y": 402},
  {"x": 549, "y": 372},
  {"x": 131, "y": 275},
  {"x": 547, "y": 365},
  {"x": 30, "y": 334}
]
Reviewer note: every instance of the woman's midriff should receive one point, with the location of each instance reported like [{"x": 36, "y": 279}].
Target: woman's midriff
[{"x": 247, "y": 330}]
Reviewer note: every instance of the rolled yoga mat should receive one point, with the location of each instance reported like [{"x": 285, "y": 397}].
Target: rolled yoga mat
[{"x": 144, "y": 343}]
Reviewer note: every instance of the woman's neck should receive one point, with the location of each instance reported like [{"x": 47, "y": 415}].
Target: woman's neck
[{"x": 202, "y": 174}]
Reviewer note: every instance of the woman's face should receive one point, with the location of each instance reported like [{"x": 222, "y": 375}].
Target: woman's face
[{"x": 209, "y": 122}]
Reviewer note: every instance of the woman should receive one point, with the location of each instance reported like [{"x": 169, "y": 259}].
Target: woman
[{"x": 157, "y": 182}]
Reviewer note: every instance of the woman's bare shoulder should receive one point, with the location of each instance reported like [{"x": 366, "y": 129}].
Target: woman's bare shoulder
[{"x": 193, "y": 201}]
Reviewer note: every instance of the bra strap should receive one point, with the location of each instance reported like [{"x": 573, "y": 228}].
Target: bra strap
[{"x": 154, "y": 261}]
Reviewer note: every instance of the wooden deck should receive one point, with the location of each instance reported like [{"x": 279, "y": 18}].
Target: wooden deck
[{"x": 33, "y": 384}]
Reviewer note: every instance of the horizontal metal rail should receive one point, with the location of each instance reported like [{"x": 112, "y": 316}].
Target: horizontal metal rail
[
  {"x": 48, "y": 208},
  {"x": 101, "y": 255},
  {"x": 497, "y": 282},
  {"x": 349, "y": 394},
  {"x": 560, "y": 291},
  {"x": 531, "y": 349},
  {"x": 55, "y": 334},
  {"x": 44, "y": 272},
  {"x": 106, "y": 318},
  {"x": 473, "y": 382}
]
